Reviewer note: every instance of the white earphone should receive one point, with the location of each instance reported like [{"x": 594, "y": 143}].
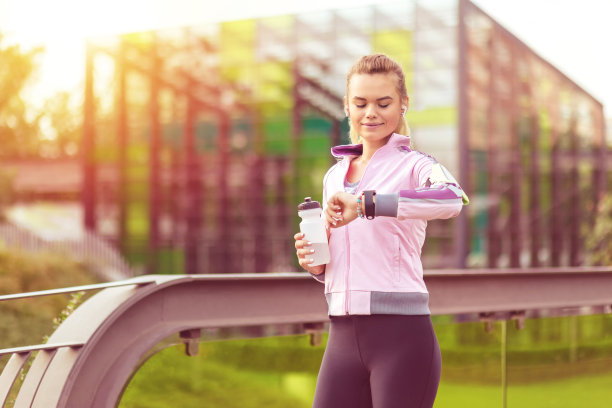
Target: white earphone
[{"x": 404, "y": 110}]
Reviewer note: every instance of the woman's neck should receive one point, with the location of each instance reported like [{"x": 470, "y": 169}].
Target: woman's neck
[{"x": 369, "y": 148}]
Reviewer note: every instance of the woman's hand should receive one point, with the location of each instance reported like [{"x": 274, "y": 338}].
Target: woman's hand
[
  {"x": 341, "y": 209},
  {"x": 303, "y": 251}
]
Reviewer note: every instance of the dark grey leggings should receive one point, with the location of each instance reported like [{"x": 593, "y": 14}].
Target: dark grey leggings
[{"x": 379, "y": 361}]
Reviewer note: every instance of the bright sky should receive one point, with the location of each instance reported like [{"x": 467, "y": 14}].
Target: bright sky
[{"x": 573, "y": 35}]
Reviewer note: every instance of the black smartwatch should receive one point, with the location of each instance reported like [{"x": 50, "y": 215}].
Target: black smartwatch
[{"x": 368, "y": 199}]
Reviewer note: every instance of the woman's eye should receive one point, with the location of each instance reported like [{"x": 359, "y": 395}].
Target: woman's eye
[
  {"x": 383, "y": 106},
  {"x": 360, "y": 106}
]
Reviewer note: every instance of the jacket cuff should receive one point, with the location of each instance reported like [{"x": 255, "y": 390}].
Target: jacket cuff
[
  {"x": 386, "y": 205},
  {"x": 320, "y": 277}
]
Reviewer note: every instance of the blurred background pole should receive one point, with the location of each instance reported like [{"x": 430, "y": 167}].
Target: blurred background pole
[
  {"x": 555, "y": 185},
  {"x": 88, "y": 145},
  {"x": 516, "y": 166},
  {"x": 493, "y": 168},
  {"x": 535, "y": 213},
  {"x": 154, "y": 161},
  {"x": 575, "y": 200},
  {"x": 257, "y": 187},
  {"x": 224, "y": 262},
  {"x": 122, "y": 146},
  {"x": 193, "y": 193},
  {"x": 599, "y": 155},
  {"x": 461, "y": 229},
  {"x": 294, "y": 164}
]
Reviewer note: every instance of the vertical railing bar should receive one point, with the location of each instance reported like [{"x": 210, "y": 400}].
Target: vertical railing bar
[
  {"x": 52, "y": 353},
  {"x": 10, "y": 373}
]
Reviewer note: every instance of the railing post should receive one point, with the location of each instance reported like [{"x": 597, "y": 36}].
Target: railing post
[
  {"x": 504, "y": 362},
  {"x": 88, "y": 189},
  {"x": 191, "y": 338}
]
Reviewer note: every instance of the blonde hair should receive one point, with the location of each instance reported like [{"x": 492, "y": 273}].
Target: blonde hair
[{"x": 380, "y": 64}]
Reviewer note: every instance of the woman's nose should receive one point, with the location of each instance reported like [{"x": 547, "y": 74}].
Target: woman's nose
[{"x": 370, "y": 111}]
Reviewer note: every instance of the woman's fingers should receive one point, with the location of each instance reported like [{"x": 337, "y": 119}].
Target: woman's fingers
[
  {"x": 301, "y": 244},
  {"x": 333, "y": 214},
  {"x": 304, "y": 252},
  {"x": 305, "y": 262},
  {"x": 299, "y": 241}
]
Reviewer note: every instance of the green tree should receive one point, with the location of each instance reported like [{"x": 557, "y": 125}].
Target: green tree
[
  {"x": 6, "y": 190},
  {"x": 65, "y": 121},
  {"x": 19, "y": 127}
]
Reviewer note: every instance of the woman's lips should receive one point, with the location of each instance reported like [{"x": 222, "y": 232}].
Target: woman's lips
[{"x": 371, "y": 125}]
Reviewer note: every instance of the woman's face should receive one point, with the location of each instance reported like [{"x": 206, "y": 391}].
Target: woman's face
[{"x": 374, "y": 106}]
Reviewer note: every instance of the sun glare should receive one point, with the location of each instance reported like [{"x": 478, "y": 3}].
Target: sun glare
[
  {"x": 62, "y": 28},
  {"x": 40, "y": 20}
]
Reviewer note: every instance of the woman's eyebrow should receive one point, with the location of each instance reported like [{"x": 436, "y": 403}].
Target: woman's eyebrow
[{"x": 364, "y": 99}]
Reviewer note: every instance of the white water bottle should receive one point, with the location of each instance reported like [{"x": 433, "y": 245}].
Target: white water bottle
[{"x": 313, "y": 228}]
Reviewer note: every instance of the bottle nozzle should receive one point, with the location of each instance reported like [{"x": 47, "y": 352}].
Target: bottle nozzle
[{"x": 308, "y": 204}]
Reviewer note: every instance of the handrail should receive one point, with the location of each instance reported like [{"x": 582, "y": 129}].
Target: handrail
[
  {"x": 73, "y": 289},
  {"x": 38, "y": 347},
  {"x": 95, "y": 350},
  {"x": 428, "y": 275}
]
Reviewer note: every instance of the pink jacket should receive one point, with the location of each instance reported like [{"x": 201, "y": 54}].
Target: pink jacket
[{"x": 375, "y": 265}]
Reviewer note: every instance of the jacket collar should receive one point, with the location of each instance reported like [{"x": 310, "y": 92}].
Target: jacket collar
[{"x": 396, "y": 140}]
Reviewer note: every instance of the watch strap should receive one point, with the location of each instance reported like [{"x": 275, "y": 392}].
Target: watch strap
[{"x": 368, "y": 199}]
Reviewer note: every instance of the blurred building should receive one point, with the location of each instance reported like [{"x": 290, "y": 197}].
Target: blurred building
[{"x": 218, "y": 132}]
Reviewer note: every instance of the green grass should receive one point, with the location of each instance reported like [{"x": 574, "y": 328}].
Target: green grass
[
  {"x": 281, "y": 372},
  {"x": 171, "y": 378},
  {"x": 580, "y": 392},
  {"x": 27, "y": 321}
]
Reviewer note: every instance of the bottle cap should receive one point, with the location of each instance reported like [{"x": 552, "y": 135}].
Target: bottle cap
[{"x": 308, "y": 204}]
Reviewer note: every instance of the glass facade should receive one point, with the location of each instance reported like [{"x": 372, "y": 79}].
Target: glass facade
[{"x": 206, "y": 138}]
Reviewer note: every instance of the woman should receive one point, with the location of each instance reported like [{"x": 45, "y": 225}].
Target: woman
[{"x": 382, "y": 351}]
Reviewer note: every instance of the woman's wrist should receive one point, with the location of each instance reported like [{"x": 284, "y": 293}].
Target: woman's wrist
[{"x": 360, "y": 209}]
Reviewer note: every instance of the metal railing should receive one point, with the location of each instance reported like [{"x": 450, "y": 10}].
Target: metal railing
[{"x": 94, "y": 352}]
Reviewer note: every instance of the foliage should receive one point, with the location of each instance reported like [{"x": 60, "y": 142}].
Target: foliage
[
  {"x": 27, "y": 321},
  {"x": 19, "y": 128},
  {"x": 6, "y": 190},
  {"x": 598, "y": 240},
  {"x": 50, "y": 131},
  {"x": 75, "y": 300},
  {"x": 65, "y": 122}
]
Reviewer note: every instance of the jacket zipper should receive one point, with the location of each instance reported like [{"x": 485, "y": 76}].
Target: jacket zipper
[
  {"x": 348, "y": 244},
  {"x": 348, "y": 268}
]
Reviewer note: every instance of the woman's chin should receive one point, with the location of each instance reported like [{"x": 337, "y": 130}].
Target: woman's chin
[{"x": 372, "y": 135}]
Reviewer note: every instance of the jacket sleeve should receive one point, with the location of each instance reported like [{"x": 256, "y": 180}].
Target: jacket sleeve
[{"x": 438, "y": 196}]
